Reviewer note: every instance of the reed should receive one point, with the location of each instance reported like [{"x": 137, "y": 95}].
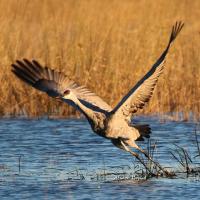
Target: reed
[
  {"x": 189, "y": 163},
  {"x": 106, "y": 45}
]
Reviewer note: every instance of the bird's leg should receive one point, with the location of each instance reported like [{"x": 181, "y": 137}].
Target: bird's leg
[
  {"x": 167, "y": 173},
  {"x": 136, "y": 156}
]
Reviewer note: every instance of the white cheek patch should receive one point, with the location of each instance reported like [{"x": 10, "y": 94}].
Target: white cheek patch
[{"x": 66, "y": 92}]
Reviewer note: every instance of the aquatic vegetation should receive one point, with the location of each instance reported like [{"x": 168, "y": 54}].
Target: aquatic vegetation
[{"x": 189, "y": 164}]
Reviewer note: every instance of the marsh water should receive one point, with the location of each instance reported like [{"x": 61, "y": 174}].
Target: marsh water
[{"x": 64, "y": 159}]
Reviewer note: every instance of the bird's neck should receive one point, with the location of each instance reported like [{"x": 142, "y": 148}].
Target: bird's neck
[
  {"x": 95, "y": 119},
  {"x": 85, "y": 110}
]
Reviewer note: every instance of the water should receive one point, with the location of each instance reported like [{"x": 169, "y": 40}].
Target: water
[{"x": 64, "y": 159}]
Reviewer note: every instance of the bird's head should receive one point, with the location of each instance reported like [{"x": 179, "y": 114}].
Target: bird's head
[{"x": 68, "y": 94}]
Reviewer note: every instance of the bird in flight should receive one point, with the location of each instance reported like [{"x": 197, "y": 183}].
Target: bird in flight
[{"x": 111, "y": 123}]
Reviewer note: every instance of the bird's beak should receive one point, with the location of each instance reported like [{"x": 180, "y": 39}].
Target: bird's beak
[{"x": 58, "y": 98}]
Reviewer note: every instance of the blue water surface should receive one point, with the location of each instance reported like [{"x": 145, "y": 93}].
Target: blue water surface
[{"x": 64, "y": 159}]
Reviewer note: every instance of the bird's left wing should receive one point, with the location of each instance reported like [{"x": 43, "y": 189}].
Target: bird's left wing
[
  {"x": 55, "y": 83},
  {"x": 141, "y": 93}
]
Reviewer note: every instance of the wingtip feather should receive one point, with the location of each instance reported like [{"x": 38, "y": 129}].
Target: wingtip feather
[{"x": 176, "y": 30}]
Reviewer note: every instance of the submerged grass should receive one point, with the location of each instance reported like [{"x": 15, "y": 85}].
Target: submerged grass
[
  {"x": 190, "y": 164},
  {"x": 106, "y": 45}
]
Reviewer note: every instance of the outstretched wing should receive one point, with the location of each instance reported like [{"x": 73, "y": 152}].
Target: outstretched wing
[
  {"x": 54, "y": 83},
  {"x": 141, "y": 93}
]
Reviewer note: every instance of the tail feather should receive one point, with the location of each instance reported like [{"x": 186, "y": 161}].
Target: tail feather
[{"x": 144, "y": 130}]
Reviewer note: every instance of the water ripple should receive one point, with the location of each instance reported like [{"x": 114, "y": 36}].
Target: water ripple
[{"x": 64, "y": 159}]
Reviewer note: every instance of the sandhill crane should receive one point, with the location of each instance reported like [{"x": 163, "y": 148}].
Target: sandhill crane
[{"x": 113, "y": 124}]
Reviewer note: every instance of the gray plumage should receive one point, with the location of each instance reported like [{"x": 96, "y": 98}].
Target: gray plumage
[{"x": 114, "y": 124}]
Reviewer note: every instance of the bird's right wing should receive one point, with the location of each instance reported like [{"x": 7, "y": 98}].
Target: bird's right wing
[
  {"x": 55, "y": 83},
  {"x": 141, "y": 93}
]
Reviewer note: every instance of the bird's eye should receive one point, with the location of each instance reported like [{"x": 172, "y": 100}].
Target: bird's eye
[{"x": 66, "y": 92}]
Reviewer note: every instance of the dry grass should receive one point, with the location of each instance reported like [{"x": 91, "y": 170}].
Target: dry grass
[{"x": 106, "y": 45}]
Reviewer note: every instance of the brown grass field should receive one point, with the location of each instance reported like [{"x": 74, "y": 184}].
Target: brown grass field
[{"x": 107, "y": 45}]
